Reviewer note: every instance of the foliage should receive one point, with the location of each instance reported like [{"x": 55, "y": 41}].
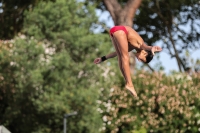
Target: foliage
[
  {"x": 20, "y": 77},
  {"x": 11, "y": 16},
  {"x": 62, "y": 26},
  {"x": 174, "y": 23},
  {"x": 48, "y": 71},
  {"x": 164, "y": 103}
]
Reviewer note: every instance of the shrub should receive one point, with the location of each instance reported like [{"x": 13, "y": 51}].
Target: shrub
[{"x": 164, "y": 104}]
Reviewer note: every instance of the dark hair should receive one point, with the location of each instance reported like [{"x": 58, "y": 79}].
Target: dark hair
[{"x": 149, "y": 56}]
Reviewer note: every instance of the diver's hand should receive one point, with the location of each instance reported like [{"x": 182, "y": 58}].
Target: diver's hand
[
  {"x": 97, "y": 60},
  {"x": 156, "y": 49}
]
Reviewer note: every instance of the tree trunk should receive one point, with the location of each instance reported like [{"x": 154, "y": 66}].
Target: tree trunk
[{"x": 122, "y": 15}]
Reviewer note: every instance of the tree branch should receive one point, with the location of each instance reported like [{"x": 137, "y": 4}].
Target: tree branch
[
  {"x": 168, "y": 47},
  {"x": 131, "y": 7},
  {"x": 174, "y": 47},
  {"x": 150, "y": 67},
  {"x": 112, "y": 6}
]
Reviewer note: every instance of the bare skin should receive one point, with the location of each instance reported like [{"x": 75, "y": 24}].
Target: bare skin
[{"x": 123, "y": 44}]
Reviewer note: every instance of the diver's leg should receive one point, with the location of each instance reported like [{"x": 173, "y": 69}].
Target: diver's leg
[
  {"x": 121, "y": 45},
  {"x": 119, "y": 61}
]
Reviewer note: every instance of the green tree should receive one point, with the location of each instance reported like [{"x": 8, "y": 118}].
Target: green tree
[
  {"x": 51, "y": 68},
  {"x": 175, "y": 24},
  {"x": 11, "y": 16},
  {"x": 21, "y": 75}
]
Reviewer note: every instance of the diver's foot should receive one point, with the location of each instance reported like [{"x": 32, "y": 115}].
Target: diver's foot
[{"x": 131, "y": 90}]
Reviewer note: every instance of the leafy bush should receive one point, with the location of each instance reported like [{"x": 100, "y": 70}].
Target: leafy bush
[{"x": 164, "y": 103}]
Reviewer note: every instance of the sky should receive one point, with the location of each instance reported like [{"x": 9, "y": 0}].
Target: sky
[{"x": 168, "y": 63}]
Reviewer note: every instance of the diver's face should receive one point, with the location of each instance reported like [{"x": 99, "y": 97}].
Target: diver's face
[{"x": 141, "y": 56}]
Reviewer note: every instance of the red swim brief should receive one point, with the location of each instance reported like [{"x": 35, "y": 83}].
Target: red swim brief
[{"x": 116, "y": 28}]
